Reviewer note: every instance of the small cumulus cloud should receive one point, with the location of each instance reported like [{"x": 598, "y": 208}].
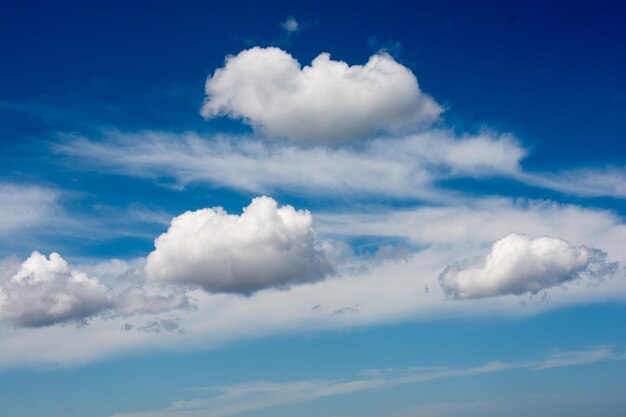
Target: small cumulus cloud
[
  {"x": 328, "y": 102},
  {"x": 44, "y": 291},
  {"x": 518, "y": 264},
  {"x": 266, "y": 246}
]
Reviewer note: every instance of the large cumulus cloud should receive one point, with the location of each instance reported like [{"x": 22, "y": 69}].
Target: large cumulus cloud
[
  {"x": 265, "y": 246},
  {"x": 326, "y": 102},
  {"x": 518, "y": 264}
]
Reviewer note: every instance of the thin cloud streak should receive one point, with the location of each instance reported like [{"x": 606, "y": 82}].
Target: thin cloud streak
[
  {"x": 251, "y": 396},
  {"x": 404, "y": 167}
]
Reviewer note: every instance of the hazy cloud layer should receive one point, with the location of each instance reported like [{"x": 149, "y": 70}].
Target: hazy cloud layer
[
  {"x": 327, "y": 102},
  {"x": 266, "y": 246},
  {"x": 518, "y": 264},
  {"x": 135, "y": 300},
  {"x": 23, "y": 205}
]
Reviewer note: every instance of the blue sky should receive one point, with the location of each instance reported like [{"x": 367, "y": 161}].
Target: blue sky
[{"x": 328, "y": 209}]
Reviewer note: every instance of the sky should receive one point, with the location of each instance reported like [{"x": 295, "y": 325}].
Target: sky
[{"x": 327, "y": 209}]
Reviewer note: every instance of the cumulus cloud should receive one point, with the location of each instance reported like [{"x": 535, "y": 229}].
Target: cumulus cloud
[
  {"x": 327, "y": 102},
  {"x": 518, "y": 264},
  {"x": 42, "y": 291},
  {"x": 266, "y": 246},
  {"x": 45, "y": 291}
]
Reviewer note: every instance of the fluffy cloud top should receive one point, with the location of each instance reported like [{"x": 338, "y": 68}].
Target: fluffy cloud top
[
  {"x": 518, "y": 264},
  {"x": 266, "y": 246},
  {"x": 45, "y": 291},
  {"x": 328, "y": 102}
]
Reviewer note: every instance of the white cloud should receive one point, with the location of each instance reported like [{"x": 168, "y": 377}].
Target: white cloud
[
  {"x": 373, "y": 292},
  {"x": 135, "y": 300},
  {"x": 266, "y": 246},
  {"x": 290, "y": 25},
  {"x": 24, "y": 206},
  {"x": 598, "y": 182},
  {"x": 404, "y": 167},
  {"x": 518, "y": 264},
  {"x": 397, "y": 167},
  {"x": 234, "y": 399},
  {"x": 45, "y": 291},
  {"x": 328, "y": 102},
  {"x": 476, "y": 223}
]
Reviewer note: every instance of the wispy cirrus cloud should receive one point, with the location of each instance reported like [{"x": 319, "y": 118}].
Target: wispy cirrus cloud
[
  {"x": 27, "y": 205},
  {"x": 252, "y": 396},
  {"x": 583, "y": 182},
  {"x": 403, "y": 167}
]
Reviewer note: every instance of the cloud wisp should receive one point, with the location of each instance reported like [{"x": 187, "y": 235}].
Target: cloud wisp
[
  {"x": 252, "y": 396},
  {"x": 597, "y": 182},
  {"x": 23, "y": 206},
  {"x": 404, "y": 167}
]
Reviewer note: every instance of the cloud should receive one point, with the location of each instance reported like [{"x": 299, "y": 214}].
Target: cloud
[
  {"x": 403, "y": 167},
  {"x": 518, "y": 264},
  {"x": 385, "y": 292},
  {"x": 24, "y": 206},
  {"x": 135, "y": 300},
  {"x": 266, "y": 246},
  {"x": 328, "y": 102},
  {"x": 470, "y": 224},
  {"x": 290, "y": 25},
  {"x": 45, "y": 291},
  {"x": 234, "y": 399},
  {"x": 598, "y": 182}
]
